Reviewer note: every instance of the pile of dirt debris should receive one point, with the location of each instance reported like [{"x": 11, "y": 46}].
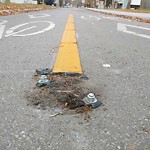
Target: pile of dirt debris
[{"x": 64, "y": 91}]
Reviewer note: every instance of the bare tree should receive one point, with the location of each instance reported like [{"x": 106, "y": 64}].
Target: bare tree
[{"x": 129, "y": 3}]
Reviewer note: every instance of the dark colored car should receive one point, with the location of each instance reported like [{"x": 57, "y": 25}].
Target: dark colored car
[{"x": 50, "y": 2}]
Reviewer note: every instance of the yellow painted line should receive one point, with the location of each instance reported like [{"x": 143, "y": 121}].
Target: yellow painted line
[
  {"x": 71, "y": 18},
  {"x": 70, "y": 26},
  {"x": 69, "y": 36},
  {"x": 68, "y": 59}
]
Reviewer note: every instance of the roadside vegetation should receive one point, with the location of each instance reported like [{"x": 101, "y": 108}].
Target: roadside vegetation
[
  {"x": 13, "y": 8},
  {"x": 133, "y": 10}
]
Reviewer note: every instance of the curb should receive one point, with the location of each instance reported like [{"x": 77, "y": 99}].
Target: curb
[{"x": 122, "y": 15}]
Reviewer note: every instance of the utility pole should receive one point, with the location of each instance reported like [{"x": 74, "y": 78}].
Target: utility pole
[{"x": 112, "y": 3}]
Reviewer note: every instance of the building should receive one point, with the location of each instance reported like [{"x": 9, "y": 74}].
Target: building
[
  {"x": 118, "y": 3},
  {"x": 124, "y": 3},
  {"x": 135, "y": 4}
]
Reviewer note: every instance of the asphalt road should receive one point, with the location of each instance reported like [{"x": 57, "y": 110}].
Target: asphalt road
[{"x": 124, "y": 120}]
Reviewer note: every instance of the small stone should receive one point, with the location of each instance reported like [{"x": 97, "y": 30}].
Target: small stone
[
  {"x": 22, "y": 132},
  {"x": 118, "y": 147}
]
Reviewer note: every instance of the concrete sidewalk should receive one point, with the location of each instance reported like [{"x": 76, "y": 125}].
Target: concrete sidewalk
[{"x": 145, "y": 16}]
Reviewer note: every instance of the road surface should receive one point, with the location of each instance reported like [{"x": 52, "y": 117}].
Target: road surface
[{"x": 115, "y": 55}]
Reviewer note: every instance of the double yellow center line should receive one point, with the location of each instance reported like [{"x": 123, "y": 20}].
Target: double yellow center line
[{"x": 68, "y": 59}]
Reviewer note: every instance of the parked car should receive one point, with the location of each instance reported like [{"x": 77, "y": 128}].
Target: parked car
[
  {"x": 50, "y": 2},
  {"x": 34, "y": 2}
]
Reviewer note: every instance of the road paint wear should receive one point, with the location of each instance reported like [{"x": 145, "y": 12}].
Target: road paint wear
[{"x": 68, "y": 59}]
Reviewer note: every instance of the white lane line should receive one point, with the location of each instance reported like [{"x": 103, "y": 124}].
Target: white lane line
[
  {"x": 2, "y": 27},
  {"x": 123, "y": 28}
]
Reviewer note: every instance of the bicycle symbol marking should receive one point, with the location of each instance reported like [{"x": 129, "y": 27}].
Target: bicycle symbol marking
[
  {"x": 38, "y": 16},
  {"x": 18, "y": 29},
  {"x": 3, "y": 22},
  {"x": 90, "y": 17}
]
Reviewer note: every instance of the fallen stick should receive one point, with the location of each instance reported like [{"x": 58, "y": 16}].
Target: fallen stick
[
  {"x": 66, "y": 91},
  {"x": 56, "y": 114}
]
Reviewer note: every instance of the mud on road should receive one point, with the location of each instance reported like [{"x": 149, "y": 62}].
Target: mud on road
[{"x": 66, "y": 93}]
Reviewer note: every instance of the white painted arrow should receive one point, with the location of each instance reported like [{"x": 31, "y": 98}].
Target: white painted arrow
[
  {"x": 123, "y": 28},
  {"x": 2, "y": 27}
]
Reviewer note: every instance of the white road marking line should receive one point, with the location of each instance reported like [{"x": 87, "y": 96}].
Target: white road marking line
[
  {"x": 94, "y": 17},
  {"x": 90, "y": 17},
  {"x": 2, "y": 27},
  {"x": 110, "y": 18},
  {"x": 3, "y": 22},
  {"x": 123, "y": 28},
  {"x": 38, "y": 16},
  {"x": 11, "y": 31}
]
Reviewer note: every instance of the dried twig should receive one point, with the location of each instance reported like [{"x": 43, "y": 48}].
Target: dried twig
[
  {"x": 65, "y": 91},
  {"x": 56, "y": 114}
]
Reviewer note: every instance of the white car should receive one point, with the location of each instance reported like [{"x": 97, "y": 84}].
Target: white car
[{"x": 34, "y": 1}]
